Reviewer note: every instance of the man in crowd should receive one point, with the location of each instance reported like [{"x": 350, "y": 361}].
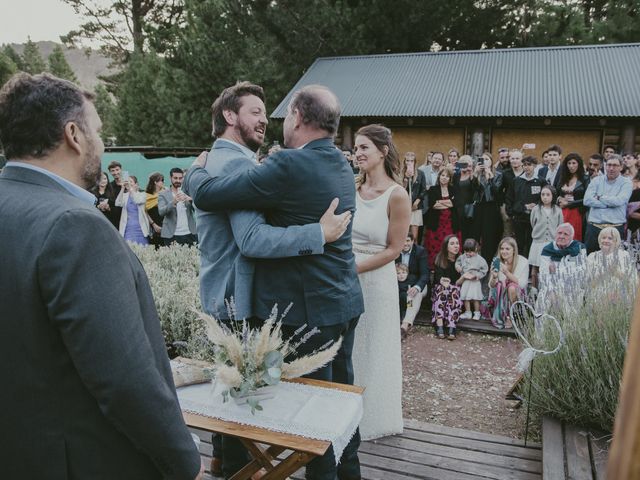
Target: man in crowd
[
  {"x": 503, "y": 159},
  {"x": 607, "y": 197},
  {"x": 608, "y": 151},
  {"x": 563, "y": 249},
  {"x": 594, "y": 167},
  {"x": 415, "y": 257},
  {"x": 522, "y": 196},
  {"x": 296, "y": 185},
  {"x": 549, "y": 173},
  {"x": 115, "y": 169},
  {"x": 176, "y": 208},
  {"x": 88, "y": 387},
  {"x": 508, "y": 177},
  {"x": 228, "y": 238}
]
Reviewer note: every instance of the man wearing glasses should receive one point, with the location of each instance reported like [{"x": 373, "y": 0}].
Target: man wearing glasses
[{"x": 607, "y": 197}]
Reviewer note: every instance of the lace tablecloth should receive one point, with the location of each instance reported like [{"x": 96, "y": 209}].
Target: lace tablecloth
[{"x": 305, "y": 410}]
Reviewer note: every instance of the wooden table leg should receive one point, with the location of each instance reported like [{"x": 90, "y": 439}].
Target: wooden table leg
[
  {"x": 262, "y": 458},
  {"x": 289, "y": 465}
]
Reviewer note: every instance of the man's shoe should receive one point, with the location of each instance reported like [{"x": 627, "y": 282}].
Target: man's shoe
[
  {"x": 216, "y": 466},
  {"x": 466, "y": 315}
]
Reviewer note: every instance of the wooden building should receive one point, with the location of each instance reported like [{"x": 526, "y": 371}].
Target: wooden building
[{"x": 579, "y": 97}]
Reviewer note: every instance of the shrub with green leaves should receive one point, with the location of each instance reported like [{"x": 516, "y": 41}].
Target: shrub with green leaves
[
  {"x": 580, "y": 383},
  {"x": 173, "y": 276}
]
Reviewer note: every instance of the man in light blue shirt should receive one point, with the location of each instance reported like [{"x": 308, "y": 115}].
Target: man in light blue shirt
[{"x": 607, "y": 197}]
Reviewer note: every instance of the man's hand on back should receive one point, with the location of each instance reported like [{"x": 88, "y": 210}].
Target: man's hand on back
[{"x": 333, "y": 225}]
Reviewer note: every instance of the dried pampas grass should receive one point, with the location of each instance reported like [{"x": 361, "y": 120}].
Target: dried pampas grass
[{"x": 310, "y": 363}]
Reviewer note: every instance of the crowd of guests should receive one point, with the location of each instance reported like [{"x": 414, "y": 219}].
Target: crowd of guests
[
  {"x": 155, "y": 216},
  {"x": 483, "y": 232}
]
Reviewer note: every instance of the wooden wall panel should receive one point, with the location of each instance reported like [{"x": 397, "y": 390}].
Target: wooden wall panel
[
  {"x": 422, "y": 139},
  {"x": 583, "y": 142}
]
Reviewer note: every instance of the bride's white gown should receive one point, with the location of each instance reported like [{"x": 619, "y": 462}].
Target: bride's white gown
[{"x": 377, "y": 360}]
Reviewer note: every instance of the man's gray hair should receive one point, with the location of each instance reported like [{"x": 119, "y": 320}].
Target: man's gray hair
[
  {"x": 318, "y": 106},
  {"x": 614, "y": 156},
  {"x": 568, "y": 226}
]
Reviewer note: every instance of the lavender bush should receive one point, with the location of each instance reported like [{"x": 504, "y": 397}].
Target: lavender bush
[
  {"x": 593, "y": 303},
  {"x": 173, "y": 276}
]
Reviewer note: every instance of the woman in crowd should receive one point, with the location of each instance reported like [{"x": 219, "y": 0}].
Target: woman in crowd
[
  {"x": 508, "y": 282},
  {"x": 545, "y": 218},
  {"x": 447, "y": 304},
  {"x": 104, "y": 195},
  {"x": 633, "y": 213},
  {"x": 572, "y": 185},
  {"x": 452, "y": 157},
  {"x": 154, "y": 187},
  {"x": 487, "y": 223},
  {"x": 134, "y": 222},
  {"x": 380, "y": 226},
  {"x": 415, "y": 183},
  {"x": 464, "y": 200},
  {"x": 610, "y": 253},
  {"x": 441, "y": 217}
]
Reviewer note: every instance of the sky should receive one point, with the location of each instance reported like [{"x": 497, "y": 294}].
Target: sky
[{"x": 39, "y": 19}]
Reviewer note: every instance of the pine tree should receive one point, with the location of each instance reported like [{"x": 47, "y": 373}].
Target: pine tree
[
  {"x": 58, "y": 65},
  {"x": 106, "y": 108},
  {"x": 13, "y": 55},
  {"x": 32, "y": 61},
  {"x": 7, "y": 68}
]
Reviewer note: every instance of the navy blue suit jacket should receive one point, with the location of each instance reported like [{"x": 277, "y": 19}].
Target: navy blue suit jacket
[{"x": 295, "y": 187}]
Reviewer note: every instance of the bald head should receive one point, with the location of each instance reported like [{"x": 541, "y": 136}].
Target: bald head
[{"x": 318, "y": 108}]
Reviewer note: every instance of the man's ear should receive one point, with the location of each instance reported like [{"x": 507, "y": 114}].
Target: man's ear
[
  {"x": 72, "y": 137},
  {"x": 297, "y": 117},
  {"x": 230, "y": 117}
]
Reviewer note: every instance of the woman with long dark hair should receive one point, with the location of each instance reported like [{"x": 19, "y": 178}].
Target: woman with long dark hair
[
  {"x": 487, "y": 222},
  {"x": 154, "y": 187},
  {"x": 441, "y": 217},
  {"x": 380, "y": 227},
  {"x": 105, "y": 200},
  {"x": 572, "y": 185}
]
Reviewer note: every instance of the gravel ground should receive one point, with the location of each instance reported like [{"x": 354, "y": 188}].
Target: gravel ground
[{"x": 462, "y": 383}]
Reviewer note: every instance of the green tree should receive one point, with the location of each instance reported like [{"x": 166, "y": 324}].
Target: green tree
[
  {"x": 106, "y": 107},
  {"x": 7, "y": 68},
  {"x": 13, "y": 55},
  {"x": 32, "y": 61},
  {"x": 59, "y": 66}
]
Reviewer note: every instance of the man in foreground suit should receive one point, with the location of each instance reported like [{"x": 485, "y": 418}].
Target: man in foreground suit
[
  {"x": 229, "y": 238},
  {"x": 88, "y": 388},
  {"x": 294, "y": 187}
]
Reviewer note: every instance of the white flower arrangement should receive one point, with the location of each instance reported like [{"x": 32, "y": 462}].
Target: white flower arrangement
[{"x": 247, "y": 359}]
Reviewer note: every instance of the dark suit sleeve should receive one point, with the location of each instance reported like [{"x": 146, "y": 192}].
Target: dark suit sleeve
[
  {"x": 112, "y": 335},
  {"x": 510, "y": 198},
  {"x": 260, "y": 187},
  {"x": 423, "y": 270}
]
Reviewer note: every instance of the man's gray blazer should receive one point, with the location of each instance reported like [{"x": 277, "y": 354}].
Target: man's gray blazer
[
  {"x": 228, "y": 238},
  {"x": 87, "y": 388},
  {"x": 167, "y": 210}
]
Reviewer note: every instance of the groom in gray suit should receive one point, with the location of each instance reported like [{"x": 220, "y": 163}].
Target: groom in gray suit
[
  {"x": 293, "y": 187},
  {"x": 229, "y": 238},
  {"x": 88, "y": 391}
]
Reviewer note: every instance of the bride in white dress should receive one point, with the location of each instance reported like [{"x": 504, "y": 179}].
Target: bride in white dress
[{"x": 380, "y": 226}]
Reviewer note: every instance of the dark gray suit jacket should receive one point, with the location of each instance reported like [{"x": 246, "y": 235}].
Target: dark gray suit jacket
[
  {"x": 87, "y": 388},
  {"x": 295, "y": 187}
]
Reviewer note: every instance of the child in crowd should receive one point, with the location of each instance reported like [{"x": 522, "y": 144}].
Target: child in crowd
[
  {"x": 546, "y": 216},
  {"x": 472, "y": 268},
  {"x": 402, "y": 271}
]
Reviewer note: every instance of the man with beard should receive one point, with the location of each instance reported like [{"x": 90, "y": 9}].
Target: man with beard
[
  {"x": 294, "y": 186},
  {"x": 229, "y": 238},
  {"x": 89, "y": 391},
  {"x": 176, "y": 208}
]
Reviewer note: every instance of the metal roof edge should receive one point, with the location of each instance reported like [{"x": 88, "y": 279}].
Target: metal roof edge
[{"x": 483, "y": 51}]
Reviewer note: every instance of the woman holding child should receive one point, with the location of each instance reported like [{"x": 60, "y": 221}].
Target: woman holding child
[{"x": 380, "y": 226}]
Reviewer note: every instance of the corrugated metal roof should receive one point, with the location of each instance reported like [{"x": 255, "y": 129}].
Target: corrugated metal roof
[{"x": 577, "y": 81}]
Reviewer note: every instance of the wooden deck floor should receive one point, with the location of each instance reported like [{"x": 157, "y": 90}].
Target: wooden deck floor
[{"x": 429, "y": 451}]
